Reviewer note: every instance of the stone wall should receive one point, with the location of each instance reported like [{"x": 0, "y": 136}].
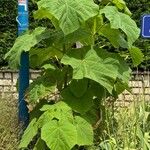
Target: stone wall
[
  {"x": 8, "y": 80},
  {"x": 140, "y": 89},
  {"x": 140, "y": 85}
]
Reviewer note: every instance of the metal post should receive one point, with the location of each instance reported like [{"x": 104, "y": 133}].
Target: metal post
[{"x": 23, "y": 24}]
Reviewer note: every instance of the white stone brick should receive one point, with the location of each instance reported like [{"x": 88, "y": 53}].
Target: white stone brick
[
  {"x": 7, "y": 75},
  {"x": 7, "y": 89},
  {"x": 15, "y": 76},
  {"x": 13, "y": 89},
  {"x": 146, "y": 83},
  {"x": 137, "y": 91},
  {"x": 135, "y": 83},
  {"x": 15, "y": 95},
  {"x": 5, "y": 82},
  {"x": 1, "y": 88},
  {"x": 1, "y": 75},
  {"x": 147, "y": 97},
  {"x": 14, "y": 81},
  {"x": 128, "y": 98},
  {"x": 147, "y": 90},
  {"x": 34, "y": 75}
]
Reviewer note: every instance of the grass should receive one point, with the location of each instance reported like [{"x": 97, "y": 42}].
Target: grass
[
  {"x": 9, "y": 128},
  {"x": 128, "y": 128}
]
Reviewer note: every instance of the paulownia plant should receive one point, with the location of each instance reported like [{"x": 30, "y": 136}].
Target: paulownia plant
[{"x": 66, "y": 99}]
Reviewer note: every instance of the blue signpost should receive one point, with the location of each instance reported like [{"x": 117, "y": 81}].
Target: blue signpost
[
  {"x": 145, "y": 31},
  {"x": 23, "y": 24}
]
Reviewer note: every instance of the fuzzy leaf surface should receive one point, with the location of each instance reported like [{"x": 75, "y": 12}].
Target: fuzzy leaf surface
[
  {"x": 24, "y": 43},
  {"x": 42, "y": 87},
  {"x": 122, "y": 6},
  {"x": 59, "y": 135},
  {"x": 40, "y": 144},
  {"x": 29, "y": 134},
  {"x": 84, "y": 131},
  {"x": 80, "y": 104},
  {"x": 69, "y": 14},
  {"x": 79, "y": 87},
  {"x": 60, "y": 111},
  {"x": 93, "y": 63},
  {"x": 39, "y": 55},
  {"x": 137, "y": 55},
  {"x": 114, "y": 36},
  {"x": 122, "y": 21}
]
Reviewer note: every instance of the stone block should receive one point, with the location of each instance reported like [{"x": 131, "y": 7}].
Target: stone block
[
  {"x": 146, "y": 83},
  {"x": 135, "y": 84},
  {"x": 137, "y": 91},
  {"x": 147, "y": 97},
  {"x": 7, "y": 75},
  {"x": 128, "y": 98},
  {"x": 5, "y": 82},
  {"x": 15, "y": 76},
  {"x": 15, "y": 95},
  {"x": 7, "y": 88},
  {"x": 34, "y": 75},
  {"x": 147, "y": 90},
  {"x": 14, "y": 82},
  {"x": 1, "y": 88},
  {"x": 1, "y": 75},
  {"x": 13, "y": 89}
]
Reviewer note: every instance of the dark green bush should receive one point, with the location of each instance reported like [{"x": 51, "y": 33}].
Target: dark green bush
[{"x": 8, "y": 26}]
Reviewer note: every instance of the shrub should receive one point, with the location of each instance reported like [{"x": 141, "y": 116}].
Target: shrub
[{"x": 67, "y": 99}]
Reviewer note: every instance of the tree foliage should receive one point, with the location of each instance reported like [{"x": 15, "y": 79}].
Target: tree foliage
[{"x": 74, "y": 81}]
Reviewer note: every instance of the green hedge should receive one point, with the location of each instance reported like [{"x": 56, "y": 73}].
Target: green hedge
[{"x": 8, "y": 25}]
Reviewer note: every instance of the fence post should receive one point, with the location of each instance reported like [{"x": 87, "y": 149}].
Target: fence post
[{"x": 23, "y": 23}]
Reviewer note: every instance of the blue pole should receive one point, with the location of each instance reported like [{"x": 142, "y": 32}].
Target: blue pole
[{"x": 23, "y": 23}]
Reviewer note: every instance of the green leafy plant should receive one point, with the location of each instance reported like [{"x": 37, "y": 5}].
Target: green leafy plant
[{"x": 74, "y": 81}]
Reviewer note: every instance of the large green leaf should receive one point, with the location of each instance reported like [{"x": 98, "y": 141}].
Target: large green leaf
[
  {"x": 84, "y": 131},
  {"x": 79, "y": 87},
  {"x": 124, "y": 75},
  {"x": 71, "y": 14},
  {"x": 122, "y": 6},
  {"x": 124, "y": 70},
  {"x": 137, "y": 55},
  {"x": 80, "y": 104},
  {"x": 114, "y": 36},
  {"x": 24, "y": 43},
  {"x": 60, "y": 111},
  {"x": 43, "y": 86},
  {"x": 39, "y": 55},
  {"x": 40, "y": 144},
  {"x": 95, "y": 64},
  {"x": 121, "y": 21},
  {"x": 59, "y": 135},
  {"x": 29, "y": 134},
  {"x": 58, "y": 106}
]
